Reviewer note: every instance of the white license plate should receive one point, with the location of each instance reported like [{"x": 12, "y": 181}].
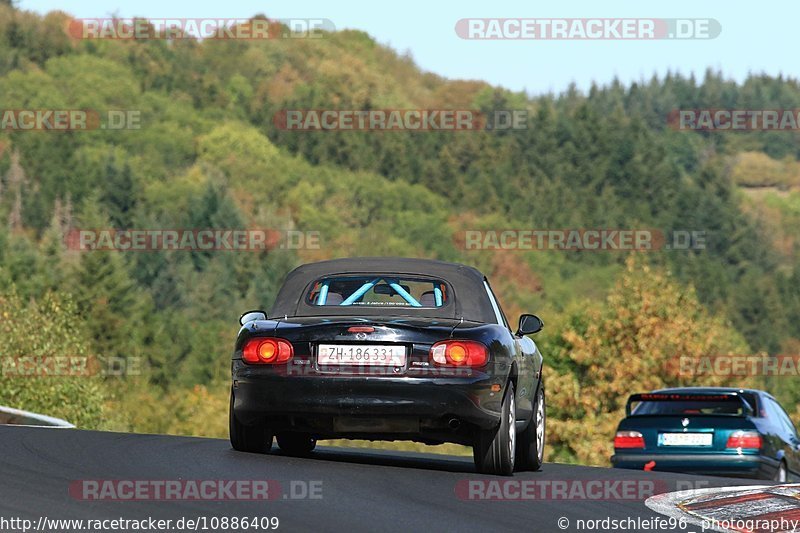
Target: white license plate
[
  {"x": 686, "y": 439},
  {"x": 361, "y": 354}
]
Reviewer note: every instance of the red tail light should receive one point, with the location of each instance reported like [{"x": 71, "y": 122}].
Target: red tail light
[
  {"x": 744, "y": 439},
  {"x": 267, "y": 351},
  {"x": 459, "y": 353},
  {"x": 628, "y": 439}
]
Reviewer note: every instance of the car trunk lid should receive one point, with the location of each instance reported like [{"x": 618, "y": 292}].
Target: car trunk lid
[{"x": 380, "y": 335}]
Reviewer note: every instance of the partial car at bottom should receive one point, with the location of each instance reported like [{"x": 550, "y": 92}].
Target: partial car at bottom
[
  {"x": 389, "y": 349},
  {"x": 713, "y": 431}
]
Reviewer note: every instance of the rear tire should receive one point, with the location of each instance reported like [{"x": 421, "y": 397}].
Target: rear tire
[
  {"x": 494, "y": 451},
  {"x": 296, "y": 443},
  {"x": 780, "y": 473},
  {"x": 253, "y": 438},
  {"x": 530, "y": 448}
]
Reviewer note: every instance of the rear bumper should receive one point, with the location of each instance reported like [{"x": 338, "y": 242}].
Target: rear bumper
[
  {"x": 730, "y": 465},
  {"x": 369, "y": 406}
]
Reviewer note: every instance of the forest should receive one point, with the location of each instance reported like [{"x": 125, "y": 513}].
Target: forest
[{"x": 206, "y": 151}]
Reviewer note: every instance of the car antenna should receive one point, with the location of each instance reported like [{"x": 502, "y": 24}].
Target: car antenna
[
  {"x": 460, "y": 321},
  {"x": 277, "y": 323}
]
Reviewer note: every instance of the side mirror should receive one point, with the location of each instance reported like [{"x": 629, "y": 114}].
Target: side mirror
[
  {"x": 249, "y": 316},
  {"x": 529, "y": 324}
]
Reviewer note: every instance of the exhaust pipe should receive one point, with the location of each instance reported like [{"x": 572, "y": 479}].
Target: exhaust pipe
[{"x": 454, "y": 423}]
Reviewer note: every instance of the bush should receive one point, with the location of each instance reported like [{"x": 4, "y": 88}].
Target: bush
[{"x": 47, "y": 329}]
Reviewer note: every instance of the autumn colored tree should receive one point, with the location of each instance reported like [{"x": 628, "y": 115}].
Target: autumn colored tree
[{"x": 600, "y": 354}]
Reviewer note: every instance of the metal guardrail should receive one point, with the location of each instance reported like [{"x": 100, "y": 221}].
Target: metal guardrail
[{"x": 17, "y": 417}]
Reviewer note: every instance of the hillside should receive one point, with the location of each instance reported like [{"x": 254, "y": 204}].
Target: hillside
[{"x": 208, "y": 154}]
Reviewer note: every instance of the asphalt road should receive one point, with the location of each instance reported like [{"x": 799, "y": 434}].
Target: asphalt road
[{"x": 356, "y": 490}]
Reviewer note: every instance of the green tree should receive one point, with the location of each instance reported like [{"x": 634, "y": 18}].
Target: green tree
[
  {"x": 105, "y": 293},
  {"x": 51, "y": 372}
]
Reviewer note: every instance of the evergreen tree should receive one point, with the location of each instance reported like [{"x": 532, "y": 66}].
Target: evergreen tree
[
  {"x": 120, "y": 193},
  {"x": 105, "y": 293}
]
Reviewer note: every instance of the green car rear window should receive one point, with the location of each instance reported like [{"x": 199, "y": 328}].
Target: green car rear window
[{"x": 681, "y": 408}]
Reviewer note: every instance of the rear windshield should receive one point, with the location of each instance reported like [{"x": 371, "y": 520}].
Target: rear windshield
[
  {"x": 378, "y": 291},
  {"x": 731, "y": 408}
]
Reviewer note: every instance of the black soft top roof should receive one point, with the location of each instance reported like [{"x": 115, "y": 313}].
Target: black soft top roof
[{"x": 468, "y": 301}]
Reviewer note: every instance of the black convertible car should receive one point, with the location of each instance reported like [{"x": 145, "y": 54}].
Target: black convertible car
[{"x": 389, "y": 349}]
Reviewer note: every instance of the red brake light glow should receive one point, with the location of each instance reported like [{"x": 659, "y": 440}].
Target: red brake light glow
[
  {"x": 267, "y": 351},
  {"x": 744, "y": 439},
  {"x": 361, "y": 329},
  {"x": 459, "y": 353},
  {"x": 628, "y": 440}
]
